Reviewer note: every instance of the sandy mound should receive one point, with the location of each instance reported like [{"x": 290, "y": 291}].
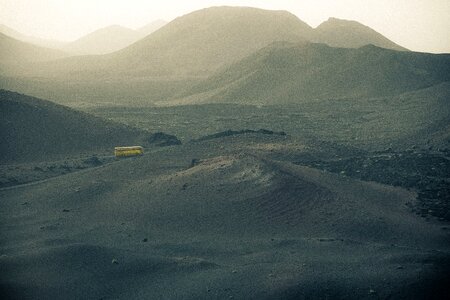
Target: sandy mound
[{"x": 226, "y": 225}]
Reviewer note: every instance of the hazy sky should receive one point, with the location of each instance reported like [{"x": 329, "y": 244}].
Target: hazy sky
[{"x": 420, "y": 25}]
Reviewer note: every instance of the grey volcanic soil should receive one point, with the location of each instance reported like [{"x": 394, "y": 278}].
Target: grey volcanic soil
[
  {"x": 33, "y": 129},
  {"x": 217, "y": 219}
]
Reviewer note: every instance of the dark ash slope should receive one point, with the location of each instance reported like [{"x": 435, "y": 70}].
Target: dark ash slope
[
  {"x": 34, "y": 129},
  {"x": 291, "y": 73}
]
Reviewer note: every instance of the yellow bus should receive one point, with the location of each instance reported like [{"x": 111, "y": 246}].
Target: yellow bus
[{"x": 128, "y": 151}]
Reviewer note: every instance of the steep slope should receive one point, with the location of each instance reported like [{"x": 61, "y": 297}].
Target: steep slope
[
  {"x": 284, "y": 72},
  {"x": 104, "y": 40},
  {"x": 205, "y": 40},
  {"x": 13, "y": 51},
  {"x": 33, "y": 129},
  {"x": 351, "y": 34},
  {"x": 46, "y": 43}
]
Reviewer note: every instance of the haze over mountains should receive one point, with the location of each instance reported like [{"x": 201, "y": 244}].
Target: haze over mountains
[
  {"x": 351, "y": 34},
  {"x": 196, "y": 44},
  {"x": 46, "y": 43},
  {"x": 110, "y": 39},
  {"x": 13, "y": 51},
  {"x": 102, "y": 41},
  {"x": 205, "y": 40},
  {"x": 201, "y": 53}
]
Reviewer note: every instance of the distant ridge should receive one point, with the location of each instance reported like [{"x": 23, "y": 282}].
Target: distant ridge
[
  {"x": 104, "y": 40},
  {"x": 13, "y": 51},
  {"x": 101, "y": 41},
  {"x": 110, "y": 39},
  {"x": 46, "y": 43}
]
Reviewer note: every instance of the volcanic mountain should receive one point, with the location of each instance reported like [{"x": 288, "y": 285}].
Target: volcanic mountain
[
  {"x": 203, "y": 41},
  {"x": 289, "y": 73},
  {"x": 197, "y": 45},
  {"x": 206, "y": 40},
  {"x": 351, "y": 34}
]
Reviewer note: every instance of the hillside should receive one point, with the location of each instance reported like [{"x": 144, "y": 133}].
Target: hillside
[
  {"x": 13, "y": 51},
  {"x": 34, "y": 129},
  {"x": 233, "y": 224},
  {"x": 205, "y": 40},
  {"x": 351, "y": 34},
  {"x": 289, "y": 73}
]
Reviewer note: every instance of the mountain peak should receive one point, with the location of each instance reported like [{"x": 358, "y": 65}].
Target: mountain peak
[
  {"x": 337, "y": 20},
  {"x": 241, "y": 13},
  {"x": 207, "y": 39},
  {"x": 351, "y": 34}
]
